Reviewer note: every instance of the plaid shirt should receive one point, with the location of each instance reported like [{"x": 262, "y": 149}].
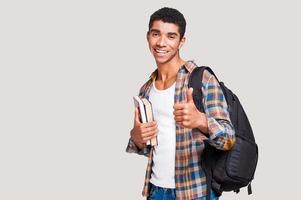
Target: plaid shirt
[{"x": 190, "y": 178}]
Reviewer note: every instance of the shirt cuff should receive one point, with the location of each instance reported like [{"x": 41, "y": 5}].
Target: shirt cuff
[{"x": 133, "y": 148}]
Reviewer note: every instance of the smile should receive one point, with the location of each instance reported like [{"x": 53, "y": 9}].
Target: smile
[{"x": 160, "y": 51}]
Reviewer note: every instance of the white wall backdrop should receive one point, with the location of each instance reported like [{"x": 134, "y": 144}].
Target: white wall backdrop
[{"x": 69, "y": 69}]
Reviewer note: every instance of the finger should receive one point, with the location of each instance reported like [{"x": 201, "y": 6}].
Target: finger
[
  {"x": 189, "y": 95},
  {"x": 149, "y": 124},
  {"x": 186, "y": 124},
  {"x": 180, "y": 112},
  {"x": 180, "y": 118},
  {"x": 179, "y": 106},
  {"x": 148, "y": 130},
  {"x": 150, "y": 136}
]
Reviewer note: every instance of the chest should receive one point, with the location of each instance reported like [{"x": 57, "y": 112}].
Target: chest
[{"x": 162, "y": 102}]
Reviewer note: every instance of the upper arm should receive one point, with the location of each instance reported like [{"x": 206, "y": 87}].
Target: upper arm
[{"x": 221, "y": 130}]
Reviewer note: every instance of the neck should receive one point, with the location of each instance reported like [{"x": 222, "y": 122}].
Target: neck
[{"x": 169, "y": 70}]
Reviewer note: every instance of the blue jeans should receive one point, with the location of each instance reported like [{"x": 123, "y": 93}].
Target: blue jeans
[{"x": 159, "y": 193}]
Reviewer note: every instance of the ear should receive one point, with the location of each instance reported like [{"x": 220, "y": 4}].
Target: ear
[
  {"x": 182, "y": 42},
  {"x": 147, "y": 34}
]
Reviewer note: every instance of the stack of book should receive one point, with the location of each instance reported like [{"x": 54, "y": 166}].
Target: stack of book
[{"x": 146, "y": 114}]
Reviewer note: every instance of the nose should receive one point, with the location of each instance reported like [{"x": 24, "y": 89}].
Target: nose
[{"x": 161, "y": 41}]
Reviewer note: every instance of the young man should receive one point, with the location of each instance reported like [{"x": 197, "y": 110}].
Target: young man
[{"x": 174, "y": 170}]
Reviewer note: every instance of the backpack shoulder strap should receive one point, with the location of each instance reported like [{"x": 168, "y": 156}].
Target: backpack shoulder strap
[
  {"x": 195, "y": 81},
  {"x": 223, "y": 87}
]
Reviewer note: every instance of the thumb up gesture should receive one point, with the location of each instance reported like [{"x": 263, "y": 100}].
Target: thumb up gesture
[{"x": 188, "y": 116}]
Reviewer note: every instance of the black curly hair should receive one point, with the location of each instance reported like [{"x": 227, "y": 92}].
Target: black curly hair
[{"x": 169, "y": 15}]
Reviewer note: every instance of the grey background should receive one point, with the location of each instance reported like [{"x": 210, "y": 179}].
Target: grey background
[{"x": 69, "y": 70}]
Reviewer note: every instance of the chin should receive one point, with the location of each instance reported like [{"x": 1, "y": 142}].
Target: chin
[{"x": 161, "y": 60}]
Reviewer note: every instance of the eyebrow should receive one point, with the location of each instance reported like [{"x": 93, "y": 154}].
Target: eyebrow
[
  {"x": 154, "y": 30},
  {"x": 172, "y": 34},
  {"x": 158, "y": 31}
]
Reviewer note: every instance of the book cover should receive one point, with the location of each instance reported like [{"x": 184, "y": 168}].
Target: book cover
[
  {"x": 149, "y": 116},
  {"x": 139, "y": 104},
  {"x": 146, "y": 114}
]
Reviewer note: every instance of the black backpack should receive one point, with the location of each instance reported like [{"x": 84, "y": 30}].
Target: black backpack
[{"x": 233, "y": 169}]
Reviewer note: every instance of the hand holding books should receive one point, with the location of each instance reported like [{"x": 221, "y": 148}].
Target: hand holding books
[{"x": 145, "y": 128}]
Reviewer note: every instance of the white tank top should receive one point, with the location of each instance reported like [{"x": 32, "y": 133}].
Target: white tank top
[{"x": 163, "y": 170}]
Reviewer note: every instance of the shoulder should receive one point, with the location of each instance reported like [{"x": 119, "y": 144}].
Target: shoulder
[
  {"x": 148, "y": 83},
  {"x": 208, "y": 78},
  {"x": 145, "y": 86}
]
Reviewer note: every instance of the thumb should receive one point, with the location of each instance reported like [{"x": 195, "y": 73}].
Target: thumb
[
  {"x": 189, "y": 95},
  {"x": 137, "y": 116}
]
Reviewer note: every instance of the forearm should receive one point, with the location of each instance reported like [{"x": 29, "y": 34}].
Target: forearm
[
  {"x": 139, "y": 149},
  {"x": 138, "y": 144}
]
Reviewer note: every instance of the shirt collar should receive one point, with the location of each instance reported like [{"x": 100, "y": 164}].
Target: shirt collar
[{"x": 188, "y": 65}]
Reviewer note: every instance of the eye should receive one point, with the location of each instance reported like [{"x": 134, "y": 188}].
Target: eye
[
  {"x": 171, "y": 37},
  {"x": 155, "y": 34}
]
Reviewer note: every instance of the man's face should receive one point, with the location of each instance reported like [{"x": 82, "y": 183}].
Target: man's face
[{"x": 164, "y": 41}]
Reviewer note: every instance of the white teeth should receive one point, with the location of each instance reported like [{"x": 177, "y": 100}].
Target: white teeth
[{"x": 160, "y": 51}]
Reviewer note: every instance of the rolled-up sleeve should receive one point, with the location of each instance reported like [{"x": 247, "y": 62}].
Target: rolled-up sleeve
[
  {"x": 221, "y": 131},
  {"x": 132, "y": 148}
]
